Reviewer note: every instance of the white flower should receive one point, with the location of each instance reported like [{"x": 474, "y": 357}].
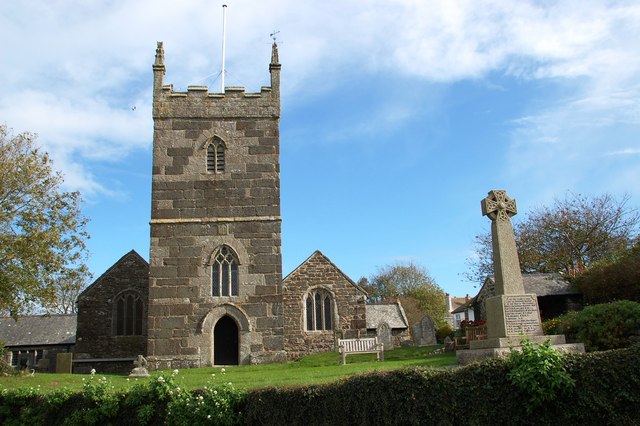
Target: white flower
[
  {"x": 161, "y": 379},
  {"x": 209, "y": 416},
  {"x": 93, "y": 371},
  {"x": 222, "y": 370},
  {"x": 175, "y": 372}
]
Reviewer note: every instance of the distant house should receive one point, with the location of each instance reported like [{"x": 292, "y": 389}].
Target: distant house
[
  {"x": 33, "y": 341},
  {"x": 389, "y": 322},
  {"x": 556, "y": 295},
  {"x": 460, "y": 309}
]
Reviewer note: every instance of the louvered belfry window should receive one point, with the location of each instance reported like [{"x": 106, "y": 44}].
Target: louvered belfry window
[
  {"x": 215, "y": 157},
  {"x": 224, "y": 273}
]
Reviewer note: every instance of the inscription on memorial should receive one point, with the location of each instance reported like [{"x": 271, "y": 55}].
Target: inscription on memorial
[{"x": 521, "y": 315}]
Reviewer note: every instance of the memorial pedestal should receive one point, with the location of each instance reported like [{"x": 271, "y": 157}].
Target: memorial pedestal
[
  {"x": 513, "y": 318},
  {"x": 513, "y": 315}
]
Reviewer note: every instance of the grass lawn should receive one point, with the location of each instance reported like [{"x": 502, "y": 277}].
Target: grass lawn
[{"x": 318, "y": 368}]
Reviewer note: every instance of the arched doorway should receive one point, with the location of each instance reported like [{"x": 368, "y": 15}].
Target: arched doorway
[{"x": 225, "y": 342}]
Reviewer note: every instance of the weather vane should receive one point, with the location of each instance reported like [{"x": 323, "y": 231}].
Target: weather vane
[{"x": 273, "y": 35}]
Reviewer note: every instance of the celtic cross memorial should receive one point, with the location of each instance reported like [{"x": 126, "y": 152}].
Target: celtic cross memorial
[{"x": 511, "y": 312}]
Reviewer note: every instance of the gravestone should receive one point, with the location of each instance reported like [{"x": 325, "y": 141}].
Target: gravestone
[
  {"x": 140, "y": 369},
  {"x": 384, "y": 336},
  {"x": 64, "y": 362},
  {"x": 424, "y": 332},
  {"x": 512, "y": 315}
]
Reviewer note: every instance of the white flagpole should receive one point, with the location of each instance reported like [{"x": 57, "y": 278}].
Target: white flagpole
[{"x": 224, "y": 42}]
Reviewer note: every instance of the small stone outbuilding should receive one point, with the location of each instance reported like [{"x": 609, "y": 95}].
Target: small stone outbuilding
[
  {"x": 389, "y": 323},
  {"x": 33, "y": 341}
]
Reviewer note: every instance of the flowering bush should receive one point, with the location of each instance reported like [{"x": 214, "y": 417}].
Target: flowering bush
[
  {"x": 471, "y": 323},
  {"x": 216, "y": 403}
]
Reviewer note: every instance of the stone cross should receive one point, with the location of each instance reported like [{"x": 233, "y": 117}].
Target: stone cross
[{"x": 499, "y": 207}]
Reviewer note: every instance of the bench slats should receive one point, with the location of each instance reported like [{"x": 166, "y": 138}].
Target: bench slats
[{"x": 365, "y": 345}]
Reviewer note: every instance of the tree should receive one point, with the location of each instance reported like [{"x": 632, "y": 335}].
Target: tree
[
  {"x": 42, "y": 230},
  {"x": 618, "y": 279},
  {"x": 568, "y": 237},
  {"x": 408, "y": 281}
]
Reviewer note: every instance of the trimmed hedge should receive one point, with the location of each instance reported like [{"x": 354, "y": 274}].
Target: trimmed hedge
[{"x": 606, "y": 392}]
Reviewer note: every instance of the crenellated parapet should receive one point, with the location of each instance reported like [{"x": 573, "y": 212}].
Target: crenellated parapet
[{"x": 199, "y": 102}]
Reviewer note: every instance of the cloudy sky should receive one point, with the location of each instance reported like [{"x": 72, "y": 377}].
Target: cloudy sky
[{"x": 397, "y": 116}]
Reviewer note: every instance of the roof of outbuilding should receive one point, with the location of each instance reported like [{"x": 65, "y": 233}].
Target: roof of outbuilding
[
  {"x": 391, "y": 313},
  {"x": 547, "y": 285},
  {"x": 38, "y": 330}
]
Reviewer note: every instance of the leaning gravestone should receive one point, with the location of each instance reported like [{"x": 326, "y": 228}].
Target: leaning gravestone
[
  {"x": 384, "y": 335},
  {"x": 511, "y": 314}
]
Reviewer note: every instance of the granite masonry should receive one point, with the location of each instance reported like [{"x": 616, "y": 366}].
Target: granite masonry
[{"x": 215, "y": 225}]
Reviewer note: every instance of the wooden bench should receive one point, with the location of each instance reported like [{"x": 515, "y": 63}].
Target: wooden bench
[{"x": 367, "y": 345}]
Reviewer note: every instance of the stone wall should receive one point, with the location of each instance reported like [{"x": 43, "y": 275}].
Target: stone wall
[
  {"x": 348, "y": 303},
  {"x": 95, "y": 334},
  {"x": 195, "y": 212}
]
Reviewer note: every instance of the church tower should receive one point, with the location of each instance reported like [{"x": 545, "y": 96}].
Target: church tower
[{"x": 215, "y": 285}]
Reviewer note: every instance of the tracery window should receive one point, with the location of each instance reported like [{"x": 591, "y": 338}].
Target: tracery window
[
  {"x": 215, "y": 157},
  {"x": 224, "y": 273},
  {"x": 319, "y": 310},
  {"x": 129, "y": 308}
]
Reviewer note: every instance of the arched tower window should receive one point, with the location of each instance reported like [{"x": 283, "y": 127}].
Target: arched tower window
[
  {"x": 129, "y": 308},
  {"x": 319, "y": 310},
  {"x": 224, "y": 273},
  {"x": 215, "y": 157}
]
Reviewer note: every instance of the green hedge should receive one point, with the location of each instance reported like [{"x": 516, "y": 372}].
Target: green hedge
[{"x": 607, "y": 391}]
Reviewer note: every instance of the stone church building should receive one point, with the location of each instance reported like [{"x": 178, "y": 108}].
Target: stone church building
[{"x": 213, "y": 292}]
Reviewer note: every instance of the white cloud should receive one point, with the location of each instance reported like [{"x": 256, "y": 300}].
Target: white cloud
[{"x": 76, "y": 69}]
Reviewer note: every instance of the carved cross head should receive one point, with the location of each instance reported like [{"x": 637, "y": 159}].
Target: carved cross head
[{"x": 498, "y": 206}]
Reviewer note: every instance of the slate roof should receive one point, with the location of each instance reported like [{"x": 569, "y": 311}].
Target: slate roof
[
  {"x": 391, "y": 313},
  {"x": 38, "y": 330},
  {"x": 547, "y": 285}
]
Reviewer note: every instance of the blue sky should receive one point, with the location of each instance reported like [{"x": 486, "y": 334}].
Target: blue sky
[{"x": 397, "y": 116}]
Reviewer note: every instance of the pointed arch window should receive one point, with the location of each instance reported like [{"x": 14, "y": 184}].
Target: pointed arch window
[
  {"x": 215, "y": 156},
  {"x": 224, "y": 273},
  {"x": 129, "y": 313},
  {"x": 319, "y": 310}
]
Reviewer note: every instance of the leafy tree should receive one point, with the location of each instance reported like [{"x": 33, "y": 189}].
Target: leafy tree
[
  {"x": 408, "y": 280},
  {"x": 42, "y": 231},
  {"x": 568, "y": 237},
  {"x": 618, "y": 279}
]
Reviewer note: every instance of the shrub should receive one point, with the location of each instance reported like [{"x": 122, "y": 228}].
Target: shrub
[
  {"x": 600, "y": 327},
  {"x": 616, "y": 280},
  {"x": 539, "y": 372},
  {"x": 443, "y": 332},
  {"x": 608, "y": 326}
]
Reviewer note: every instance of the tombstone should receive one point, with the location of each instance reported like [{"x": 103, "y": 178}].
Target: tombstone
[
  {"x": 511, "y": 314},
  {"x": 384, "y": 335},
  {"x": 424, "y": 332},
  {"x": 140, "y": 369},
  {"x": 449, "y": 344},
  {"x": 64, "y": 362}
]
